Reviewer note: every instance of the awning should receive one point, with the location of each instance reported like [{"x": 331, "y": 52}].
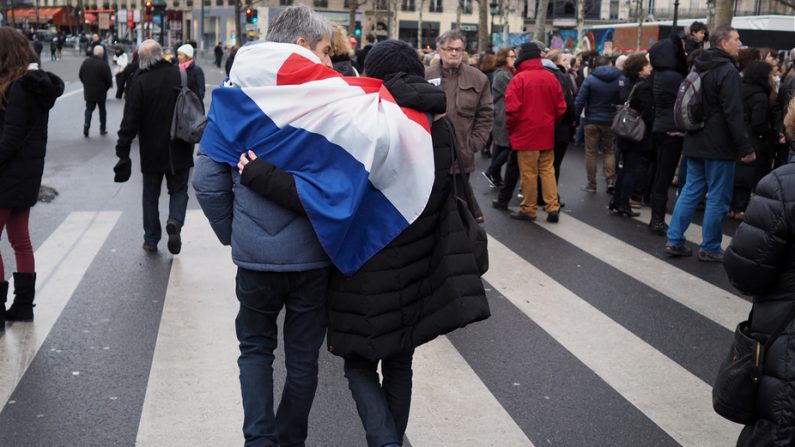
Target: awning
[{"x": 59, "y": 16}]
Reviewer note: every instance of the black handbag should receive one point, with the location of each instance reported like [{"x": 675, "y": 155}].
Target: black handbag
[
  {"x": 476, "y": 235},
  {"x": 735, "y": 390},
  {"x": 627, "y": 122}
]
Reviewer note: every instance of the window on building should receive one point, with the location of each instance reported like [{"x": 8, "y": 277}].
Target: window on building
[
  {"x": 176, "y": 3},
  {"x": 321, "y": 3},
  {"x": 435, "y": 6},
  {"x": 466, "y": 6},
  {"x": 382, "y": 5},
  {"x": 219, "y": 2},
  {"x": 188, "y": 3},
  {"x": 285, "y": 2},
  {"x": 407, "y": 5}
]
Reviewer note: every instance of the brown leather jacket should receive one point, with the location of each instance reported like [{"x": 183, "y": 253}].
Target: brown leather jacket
[{"x": 469, "y": 108}]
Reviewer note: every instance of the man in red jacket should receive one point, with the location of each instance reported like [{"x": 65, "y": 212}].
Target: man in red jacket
[{"x": 534, "y": 101}]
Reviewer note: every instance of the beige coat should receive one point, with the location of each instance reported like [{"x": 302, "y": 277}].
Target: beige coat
[{"x": 469, "y": 108}]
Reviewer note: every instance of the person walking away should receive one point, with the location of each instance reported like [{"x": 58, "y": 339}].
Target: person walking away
[
  {"x": 61, "y": 41},
  {"x": 534, "y": 102},
  {"x": 669, "y": 62},
  {"x": 469, "y": 106},
  {"x": 712, "y": 150},
  {"x": 54, "y": 48},
  {"x": 26, "y": 96},
  {"x": 355, "y": 301},
  {"x": 219, "y": 54},
  {"x": 124, "y": 78},
  {"x": 281, "y": 264},
  {"x": 194, "y": 72},
  {"x": 230, "y": 60},
  {"x": 96, "y": 78},
  {"x": 556, "y": 64},
  {"x": 502, "y": 144},
  {"x": 148, "y": 111},
  {"x": 637, "y": 89},
  {"x": 760, "y": 262},
  {"x": 598, "y": 96},
  {"x": 758, "y": 115}
]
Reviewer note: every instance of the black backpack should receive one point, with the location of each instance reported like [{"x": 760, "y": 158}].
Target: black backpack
[{"x": 188, "y": 121}]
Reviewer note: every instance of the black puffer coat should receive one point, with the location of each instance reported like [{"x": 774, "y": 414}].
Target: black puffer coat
[
  {"x": 23, "y": 136},
  {"x": 425, "y": 282},
  {"x": 670, "y": 65},
  {"x": 147, "y": 114},
  {"x": 723, "y": 136},
  {"x": 758, "y": 114},
  {"x": 643, "y": 102},
  {"x": 761, "y": 262}
]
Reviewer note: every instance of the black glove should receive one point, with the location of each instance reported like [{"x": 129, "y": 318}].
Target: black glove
[{"x": 123, "y": 170}]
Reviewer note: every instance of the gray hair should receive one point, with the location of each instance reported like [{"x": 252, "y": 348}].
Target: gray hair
[
  {"x": 149, "y": 53},
  {"x": 98, "y": 51},
  {"x": 299, "y": 22},
  {"x": 721, "y": 33},
  {"x": 449, "y": 36}
]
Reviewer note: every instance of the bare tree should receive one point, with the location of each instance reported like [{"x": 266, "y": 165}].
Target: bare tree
[
  {"x": 580, "y": 22},
  {"x": 353, "y": 6},
  {"x": 392, "y": 25},
  {"x": 419, "y": 24},
  {"x": 723, "y": 12},
  {"x": 241, "y": 33},
  {"x": 640, "y": 24},
  {"x": 789, "y": 3},
  {"x": 541, "y": 21},
  {"x": 508, "y": 8},
  {"x": 711, "y": 14},
  {"x": 483, "y": 25}
]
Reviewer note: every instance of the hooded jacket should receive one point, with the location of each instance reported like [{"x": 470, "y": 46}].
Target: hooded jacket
[
  {"x": 723, "y": 136},
  {"x": 502, "y": 77},
  {"x": 598, "y": 95},
  {"x": 670, "y": 66},
  {"x": 422, "y": 284},
  {"x": 534, "y": 102},
  {"x": 757, "y": 110},
  {"x": 761, "y": 262},
  {"x": 23, "y": 136},
  {"x": 564, "y": 128}
]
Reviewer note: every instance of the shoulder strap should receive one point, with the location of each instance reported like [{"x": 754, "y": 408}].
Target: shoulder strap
[
  {"x": 183, "y": 77},
  {"x": 631, "y": 92}
]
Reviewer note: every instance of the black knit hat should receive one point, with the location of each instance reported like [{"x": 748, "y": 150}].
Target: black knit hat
[
  {"x": 392, "y": 56},
  {"x": 528, "y": 51}
]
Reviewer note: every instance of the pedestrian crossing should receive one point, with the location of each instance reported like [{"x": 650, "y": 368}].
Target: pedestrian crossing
[{"x": 192, "y": 394}]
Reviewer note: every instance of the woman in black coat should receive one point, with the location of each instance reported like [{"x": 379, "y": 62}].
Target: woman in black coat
[
  {"x": 420, "y": 286},
  {"x": 761, "y": 262},
  {"x": 758, "y": 113},
  {"x": 26, "y": 96},
  {"x": 637, "y": 70}
]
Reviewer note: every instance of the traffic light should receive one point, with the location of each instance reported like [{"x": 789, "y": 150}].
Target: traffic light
[
  {"x": 149, "y": 7},
  {"x": 254, "y": 16},
  {"x": 358, "y": 31},
  {"x": 249, "y": 15}
]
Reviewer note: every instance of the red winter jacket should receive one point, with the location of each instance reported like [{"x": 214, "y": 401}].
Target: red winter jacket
[{"x": 534, "y": 101}]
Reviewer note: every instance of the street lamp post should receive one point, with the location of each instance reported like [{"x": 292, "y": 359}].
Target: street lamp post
[
  {"x": 676, "y": 17},
  {"x": 495, "y": 9}
]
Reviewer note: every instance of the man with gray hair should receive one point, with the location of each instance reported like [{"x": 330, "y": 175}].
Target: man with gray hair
[
  {"x": 148, "y": 111},
  {"x": 96, "y": 78},
  {"x": 469, "y": 105},
  {"x": 281, "y": 264}
]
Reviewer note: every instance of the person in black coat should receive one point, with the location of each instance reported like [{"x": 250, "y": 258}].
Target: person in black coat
[
  {"x": 758, "y": 114},
  {"x": 637, "y": 70},
  {"x": 230, "y": 60},
  {"x": 147, "y": 114},
  {"x": 564, "y": 128},
  {"x": 219, "y": 54},
  {"x": 670, "y": 66},
  {"x": 97, "y": 80},
  {"x": 761, "y": 262},
  {"x": 26, "y": 96},
  {"x": 408, "y": 286},
  {"x": 194, "y": 72},
  {"x": 125, "y": 77}
]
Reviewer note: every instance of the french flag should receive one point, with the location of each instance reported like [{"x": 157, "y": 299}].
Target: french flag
[{"x": 363, "y": 166}]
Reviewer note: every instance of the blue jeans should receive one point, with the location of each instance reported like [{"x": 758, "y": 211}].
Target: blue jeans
[
  {"x": 103, "y": 115},
  {"x": 262, "y": 296},
  {"x": 716, "y": 177},
  {"x": 177, "y": 185},
  {"x": 383, "y": 407}
]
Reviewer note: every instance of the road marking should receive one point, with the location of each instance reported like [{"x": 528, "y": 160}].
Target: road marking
[
  {"x": 193, "y": 393},
  {"x": 61, "y": 262},
  {"x": 719, "y": 305},
  {"x": 74, "y": 92},
  {"x": 673, "y": 398},
  {"x": 450, "y": 405},
  {"x": 693, "y": 233}
]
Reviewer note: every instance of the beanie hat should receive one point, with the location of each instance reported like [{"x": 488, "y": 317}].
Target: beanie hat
[
  {"x": 392, "y": 56},
  {"x": 528, "y": 51},
  {"x": 187, "y": 50}
]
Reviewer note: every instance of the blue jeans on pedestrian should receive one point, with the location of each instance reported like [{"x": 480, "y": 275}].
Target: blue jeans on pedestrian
[
  {"x": 383, "y": 406},
  {"x": 103, "y": 115},
  {"x": 716, "y": 177},
  {"x": 177, "y": 185},
  {"x": 262, "y": 296}
]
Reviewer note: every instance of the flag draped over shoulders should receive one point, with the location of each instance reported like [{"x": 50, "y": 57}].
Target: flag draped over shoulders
[{"x": 363, "y": 166}]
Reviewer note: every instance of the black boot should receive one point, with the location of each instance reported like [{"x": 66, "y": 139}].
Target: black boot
[
  {"x": 24, "y": 291},
  {"x": 3, "y": 297}
]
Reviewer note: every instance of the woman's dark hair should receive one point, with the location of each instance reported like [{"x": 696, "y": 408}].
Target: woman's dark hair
[
  {"x": 693, "y": 55},
  {"x": 746, "y": 56},
  {"x": 757, "y": 72},
  {"x": 488, "y": 62},
  {"x": 502, "y": 56},
  {"x": 634, "y": 65},
  {"x": 15, "y": 56}
]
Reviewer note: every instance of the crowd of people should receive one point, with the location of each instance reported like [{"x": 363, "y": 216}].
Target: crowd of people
[{"x": 523, "y": 107}]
